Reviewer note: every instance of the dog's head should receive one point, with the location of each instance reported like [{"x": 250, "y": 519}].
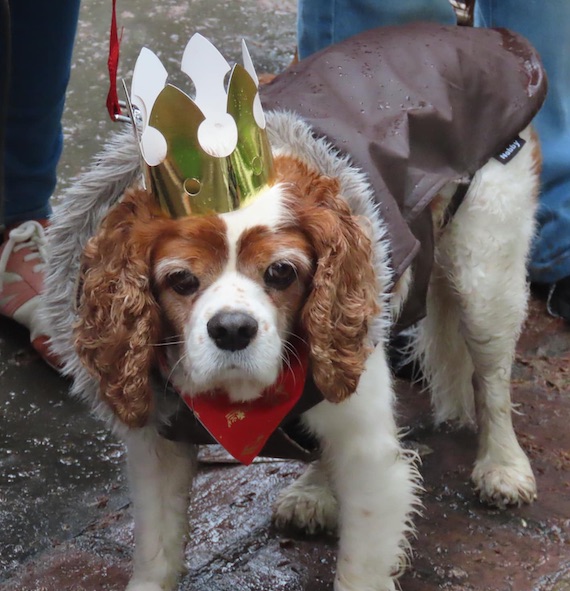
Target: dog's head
[{"x": 227, "y": 295}]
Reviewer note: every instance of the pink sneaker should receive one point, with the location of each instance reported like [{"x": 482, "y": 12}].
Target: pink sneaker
[{"x": 22, "y": 261}]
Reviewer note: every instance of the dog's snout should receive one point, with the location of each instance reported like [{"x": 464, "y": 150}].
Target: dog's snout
[{"x": 232, "y": 331}]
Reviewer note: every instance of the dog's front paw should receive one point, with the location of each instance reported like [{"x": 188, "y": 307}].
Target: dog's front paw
[
  {"x": 310, "y": 508},
  {"x": 501, "y": 485}
]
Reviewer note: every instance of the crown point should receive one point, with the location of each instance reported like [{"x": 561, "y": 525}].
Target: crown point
[
  {"x": 248, "y": 62},
  {"x": 149, "y": 78},
  {"x": 207, "y": 68}
]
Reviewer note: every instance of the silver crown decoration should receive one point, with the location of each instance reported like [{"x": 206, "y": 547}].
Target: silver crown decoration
[{"x": 206, "y": 155}]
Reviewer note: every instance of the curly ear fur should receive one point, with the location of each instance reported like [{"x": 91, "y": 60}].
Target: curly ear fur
[
  {"x": 118, "y": 319},
  {"x": 343, "y": 298}
]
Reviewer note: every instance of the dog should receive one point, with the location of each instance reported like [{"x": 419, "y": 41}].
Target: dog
[{"x": 222, "y": 299}]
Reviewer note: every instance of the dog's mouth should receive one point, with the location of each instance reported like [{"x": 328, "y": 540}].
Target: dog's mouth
[{"x": 242, "y": 384}]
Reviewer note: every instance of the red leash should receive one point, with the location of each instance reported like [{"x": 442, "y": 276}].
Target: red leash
[{"x": 113, "y": 106}]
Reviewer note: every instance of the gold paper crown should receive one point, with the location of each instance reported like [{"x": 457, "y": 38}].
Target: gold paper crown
[{"x": 210, "y": 154}]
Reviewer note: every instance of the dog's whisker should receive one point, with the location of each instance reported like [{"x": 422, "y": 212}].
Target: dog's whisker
[
  {"x": 181, "y": 342},
  {"x": 288, "y": 350},
  {"x": 172, "y": 370},
  {"x": 286, "y": 361},
  {"x": 174, "y": 337},
  {"x": 294, "y": 336},
  {"x": 292, "y": 352}
]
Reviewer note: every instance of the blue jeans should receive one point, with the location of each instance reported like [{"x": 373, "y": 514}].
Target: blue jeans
[
  {"x": 546, "y": 23},
  {"x": 43, "y": 33}
]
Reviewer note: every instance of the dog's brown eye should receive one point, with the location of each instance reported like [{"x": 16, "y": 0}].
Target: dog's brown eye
[
  {"x": 280, "y": 275},
  {"x": 183, "y": 282}
]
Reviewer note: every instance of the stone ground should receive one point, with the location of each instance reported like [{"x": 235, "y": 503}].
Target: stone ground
[{"x": 65, "y": 523}]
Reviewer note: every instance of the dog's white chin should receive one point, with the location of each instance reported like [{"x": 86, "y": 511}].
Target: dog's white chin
[
  {"x": 242, "y": 374},
  {"x": 241, "y": 384},
  {"x": 237, "y": 387},
  {"x": 244, "y": 390}
]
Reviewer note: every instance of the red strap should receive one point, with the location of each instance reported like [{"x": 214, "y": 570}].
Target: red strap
[{"x": 113, "y": 64}]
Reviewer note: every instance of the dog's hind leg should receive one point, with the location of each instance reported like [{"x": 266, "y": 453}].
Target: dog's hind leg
[
  {"x": 160, "y": 476},
  {"x": 491, "y": 324},
  {"x": 485, "y": 255},
  {"x": 441, "y": 353},
  {"x": 467, "y": 347},
  {"x": 493, "y": 311}
]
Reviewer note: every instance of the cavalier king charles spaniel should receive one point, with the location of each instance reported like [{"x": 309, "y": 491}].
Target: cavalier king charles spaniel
[{"x": 226, "y": 295}]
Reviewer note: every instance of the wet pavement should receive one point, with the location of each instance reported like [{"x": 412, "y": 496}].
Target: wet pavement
[{"x": 64, "y": 509}]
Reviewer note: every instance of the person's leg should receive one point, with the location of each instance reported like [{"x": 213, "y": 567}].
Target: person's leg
[
  {"x": 546, "y": 24},
  {"x": 43, "y": 34},
  {"x": 322, "y": 22}
]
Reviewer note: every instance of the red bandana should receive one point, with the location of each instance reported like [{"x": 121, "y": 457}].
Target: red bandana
[{"x": 243, "y": 428}]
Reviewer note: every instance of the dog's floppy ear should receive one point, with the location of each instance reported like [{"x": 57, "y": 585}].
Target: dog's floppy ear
[
  {"x": 343, "y": 298},
  {"x": 118, "y": 318}
]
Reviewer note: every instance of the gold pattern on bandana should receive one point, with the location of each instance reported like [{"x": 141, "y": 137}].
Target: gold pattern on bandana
[
  {"x": 252, "y": 447},
  {"x": 234, "y": 416}
]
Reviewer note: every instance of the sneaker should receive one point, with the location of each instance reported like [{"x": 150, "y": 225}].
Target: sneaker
[{"x": 22, "y": 263}]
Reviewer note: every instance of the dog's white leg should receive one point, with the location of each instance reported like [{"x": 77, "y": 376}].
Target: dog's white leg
[
  {"x": 160, "y": 475},
  {"x": 374, "y": 480},
  {"x": 492, "y": 319},
  {"x": 485, "y": 256},
  {"x": 469, "y": 340},
  {"x": 309, "y": 503},
  {"x": 442, "y": 355},
  {"x": 502, "y": 472}
]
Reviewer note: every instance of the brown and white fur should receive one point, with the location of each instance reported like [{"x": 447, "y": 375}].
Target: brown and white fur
[{"x": 309, "y": 257}]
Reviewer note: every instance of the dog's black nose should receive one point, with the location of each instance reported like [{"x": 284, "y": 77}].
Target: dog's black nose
[{"x": 232, "y": 331}]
